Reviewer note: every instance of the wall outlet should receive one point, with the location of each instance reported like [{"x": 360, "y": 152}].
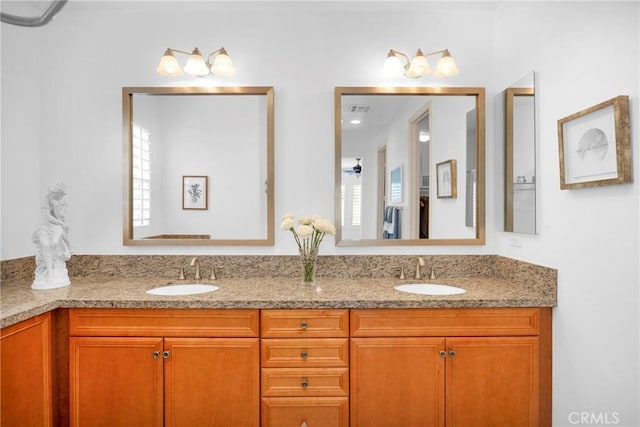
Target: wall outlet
[{"x": 516, "y": 241}]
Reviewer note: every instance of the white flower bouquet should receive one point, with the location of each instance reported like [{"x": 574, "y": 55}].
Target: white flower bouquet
[{"x": 308, "y": 235}]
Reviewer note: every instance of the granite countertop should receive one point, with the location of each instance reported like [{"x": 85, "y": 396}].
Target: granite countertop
[{"x": 20, "y": 302}]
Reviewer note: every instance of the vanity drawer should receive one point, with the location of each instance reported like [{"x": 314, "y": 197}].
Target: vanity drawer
[
  {"x": 305, "y": 382},
  {"x": 163, "y": 322},
  {"x": 445, "y": 322},
  {"x": 304, "y": 323},
  {"x": 314, "y": 352},
  {"x": 313, "y": 411}
]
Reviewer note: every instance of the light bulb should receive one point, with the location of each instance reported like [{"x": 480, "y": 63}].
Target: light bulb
[
  {"x": 195, "y": 64},
  {"x": 392, "y": 66},
  {"x": 222, "y": 65},
  {"x": 169, "y": 65},
  {"x": 446, "y": 66},
  {"x": 419, "y": 66}
]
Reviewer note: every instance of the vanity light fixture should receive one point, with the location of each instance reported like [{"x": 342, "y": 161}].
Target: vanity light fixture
[
  {"x": 196, "y": 64},
  {"x": 418, "y": 66}
]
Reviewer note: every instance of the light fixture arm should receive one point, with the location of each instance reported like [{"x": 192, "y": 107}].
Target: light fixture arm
[
  {"x": 436, "y": 52},
  {"x": 171, "y": 50}
]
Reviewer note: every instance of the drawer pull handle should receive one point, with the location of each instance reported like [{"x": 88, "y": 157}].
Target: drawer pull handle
[
  {"x": 156, "y": 354},
  {"x": 304, "y": 383},
  {"x": 443, "y": 353},
  {"x": 303, "y": 355},
  {"x": 303, "y": 324},
  {"x": 165, "y": 354}
]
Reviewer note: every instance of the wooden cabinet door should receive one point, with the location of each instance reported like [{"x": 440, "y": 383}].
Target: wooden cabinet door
[
  {"x": 25, "y": 373},
  {"x": 212, "y": 382},
  {"x": 115, "y": 381},
  {"x": 397, "y": 382},
  {"x": 492, "y": 381}
]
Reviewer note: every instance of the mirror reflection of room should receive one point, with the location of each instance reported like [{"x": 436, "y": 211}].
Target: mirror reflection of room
[
  {"x": 193, "y": 153},
  {"x": 520, "y": 166},
  {"x": 397, "y": 140}
]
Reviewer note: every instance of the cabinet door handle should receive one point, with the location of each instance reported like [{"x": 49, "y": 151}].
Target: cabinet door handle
[
  {"x": 443, "y": 353},
  {"x": 304, "y": 383},
  {"x": 156, "y": 354},
  {"x": 165, "y": 354},
  {"x": 303, "y": 324},
  {"x": 452, "y": 353},
  {"x": 303, "y": 355}
]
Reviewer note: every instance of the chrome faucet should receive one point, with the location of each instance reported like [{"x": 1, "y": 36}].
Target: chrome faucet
[
  {"x": 419, "y": 264},
  {"x": 196, "y": 262}
]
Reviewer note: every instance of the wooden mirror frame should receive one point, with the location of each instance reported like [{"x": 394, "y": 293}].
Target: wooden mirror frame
[
  {"x": 509, "y": 94},
  {"x": 479, "y": 94},
  {"x": 127, "y": 126}
]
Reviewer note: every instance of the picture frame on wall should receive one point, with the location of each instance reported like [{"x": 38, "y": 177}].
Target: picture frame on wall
[
  {"x": 446, "y": 179},
  {"x": 594, "y": 145},
  {"x": 195, "y": 191}
]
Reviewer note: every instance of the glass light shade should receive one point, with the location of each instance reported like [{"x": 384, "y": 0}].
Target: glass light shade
[
  {"x": 169, "y": 65},
  {"x": 446, "y": 66},
  {"x": 195, "y": 64},
  {"x": 419, "y": 66},
  {"x": 222, "y": 66},
  {"x": 392, "y": 66}
]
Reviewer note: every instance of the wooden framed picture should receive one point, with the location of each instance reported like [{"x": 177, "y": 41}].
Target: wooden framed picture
[
  {"x": 446, "y": 179},
  {"x": 594, "y": 145},
  {"x": 195, "y": 192}
]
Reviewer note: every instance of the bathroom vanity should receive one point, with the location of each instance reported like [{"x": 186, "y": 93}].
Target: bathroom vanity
[{"x": 265, "y": 351}]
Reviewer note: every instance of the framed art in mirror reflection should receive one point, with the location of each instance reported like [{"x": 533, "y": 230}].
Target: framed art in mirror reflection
[
  {"x": 447, "y": 182},
  {"x": 195, "y": 191}
]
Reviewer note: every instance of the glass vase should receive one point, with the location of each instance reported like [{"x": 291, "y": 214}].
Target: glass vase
[{"x": 308, "y": 260}]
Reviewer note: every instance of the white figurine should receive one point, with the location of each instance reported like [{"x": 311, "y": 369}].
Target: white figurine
[{"x": 53, "y": 249}]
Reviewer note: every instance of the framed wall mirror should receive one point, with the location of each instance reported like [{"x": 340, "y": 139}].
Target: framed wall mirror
[
  {"x": 198, "y": 165},
  {"x": 520, "y": 190},
  {"x": 388, "y": 141}
]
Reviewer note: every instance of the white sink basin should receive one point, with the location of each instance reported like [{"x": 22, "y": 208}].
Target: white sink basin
[
  {"x": 429, "y": 289},
  {"x": 183, "y": 289}
]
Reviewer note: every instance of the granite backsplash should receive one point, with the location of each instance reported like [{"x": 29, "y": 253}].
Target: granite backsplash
[{"x": 244, "y": 266}]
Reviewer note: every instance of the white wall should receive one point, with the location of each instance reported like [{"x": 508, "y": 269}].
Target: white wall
[
  {"x": 21, "y": 142},
  {"x": 92, "y": 49},
  {"x": 64, "y": 124},
  {"x": 582, "y": 56}
]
